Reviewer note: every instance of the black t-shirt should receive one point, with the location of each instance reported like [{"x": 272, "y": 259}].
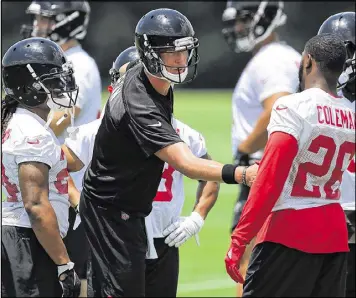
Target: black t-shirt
[{"x": 124, "y": 170}]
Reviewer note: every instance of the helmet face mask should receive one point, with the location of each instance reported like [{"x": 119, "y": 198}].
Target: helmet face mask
[
  {"x": 153, "y": 49},
  {"x": 247, "y": 24},
  {"x": 60, "y": 87},
  {"x": 346, "y": 81}
]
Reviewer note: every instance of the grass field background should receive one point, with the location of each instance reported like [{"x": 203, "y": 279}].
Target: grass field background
[{"x": 202, "y": 269}]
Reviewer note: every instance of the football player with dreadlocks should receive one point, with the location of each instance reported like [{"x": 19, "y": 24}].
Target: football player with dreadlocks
[
  {"x": 66, "y": 23},
  {"x": 272, "y": 72},
  {"x": 135, "y": 139},
  {"x": 34, "y": 261},
  {"x": 343, "y": 24}
]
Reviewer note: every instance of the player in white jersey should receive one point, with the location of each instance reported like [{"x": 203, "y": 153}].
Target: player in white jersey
[
  {"x": 343, "y": 24},
  {"x": 169, "y": 230},
  {"x": 34, "y": 259},
  {"x": 166, "y": 230},
  {"x": 294, "y": 203},
  {"x": 66, "y": 22},
  {"x": 272, "y": 72}
]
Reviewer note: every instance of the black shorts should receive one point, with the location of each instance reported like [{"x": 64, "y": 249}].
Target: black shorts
[
  {"x": 240, "y": 203},
  {"x": 350, "y": 279},
  {"x": 278, "y": 271},
  {"x": 26, "y": 268},
  {"x": 162, "y": 273},
  {"x": 117, "y": 250},
  {"x": 77, "y": 246}
]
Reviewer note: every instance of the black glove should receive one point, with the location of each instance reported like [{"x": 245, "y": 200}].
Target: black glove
[
  {"x": 69, "y": 280},
  {"x": 241, "y": 159}
]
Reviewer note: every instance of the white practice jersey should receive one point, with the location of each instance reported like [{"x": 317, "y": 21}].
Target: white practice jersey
[
  {"x": 273, "y": 69},
  {"x": 168, "y": 203},
  {"x": 87, "y": 77},
  {"x": 81, "y": 142},
  {"x": 169, "y": 200},
  {"x": 324, "y": 127},
  {"x": 26, "y": 139}
]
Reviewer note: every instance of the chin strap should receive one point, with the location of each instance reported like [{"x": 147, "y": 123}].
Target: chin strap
[
  {"x": 49, "y": 119},
  {"x": 71, "y": 128},
  {"x": 68, "y": 112}
]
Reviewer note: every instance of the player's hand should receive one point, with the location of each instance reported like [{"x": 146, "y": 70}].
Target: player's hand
[
  {"x": 69, "y": 280},
  {"x": 241, "y": 159},
  {"x": 251, "y": 173},
  {"x": 232, "y": 261},
  {"x": 180, "y": 231},
  {"x": 77, "y": 218}
]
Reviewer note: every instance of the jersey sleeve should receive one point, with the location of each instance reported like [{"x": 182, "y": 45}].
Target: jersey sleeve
[
  {"x": 284, "y": 117},
  {"x": 41, "y": 148},
  {"x": 281, "y": 149},
  {"x": 81, "y": 142},
  {"x": 276, "y": 78},
  {"x": 152, "y": 131},
  {"x": 197, "y": 143}
]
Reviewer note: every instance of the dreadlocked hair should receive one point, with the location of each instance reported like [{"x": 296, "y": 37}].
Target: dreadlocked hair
[{"x": 8, "y": 108}]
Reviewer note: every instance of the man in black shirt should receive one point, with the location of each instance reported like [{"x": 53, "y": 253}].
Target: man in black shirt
[{"x": 134, "y": 140}]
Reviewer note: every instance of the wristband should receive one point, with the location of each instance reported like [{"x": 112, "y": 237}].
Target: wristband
[{"x": 228, "y": 174}]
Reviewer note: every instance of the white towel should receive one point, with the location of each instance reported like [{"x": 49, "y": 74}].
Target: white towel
[{"x": 151, "y": 250}]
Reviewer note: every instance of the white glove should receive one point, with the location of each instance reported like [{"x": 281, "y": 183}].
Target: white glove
[
  {"x": 180, "y": 231},
  {"x": 77, "y": 218}
]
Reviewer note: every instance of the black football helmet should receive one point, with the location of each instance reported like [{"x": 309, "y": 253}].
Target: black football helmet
[
  {"x": 126, "y": 56},
  {"x": 166, "y": 30},
  {"x": 35, "y": 70},
  {"x": 246, "y": 23},
  {"x": 343, "y": 24},
  {"x": 64, "y": 20}
]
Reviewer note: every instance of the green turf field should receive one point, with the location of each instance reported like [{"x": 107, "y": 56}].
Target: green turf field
[{"x": 202, "y": 269}]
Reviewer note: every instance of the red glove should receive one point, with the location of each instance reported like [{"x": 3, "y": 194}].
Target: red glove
[
  {"x": 232, "y": 261},
  {"x": 110, "y": 88}
]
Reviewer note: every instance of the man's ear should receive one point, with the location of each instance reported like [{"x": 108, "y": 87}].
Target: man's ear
[{"x": 308, "y": 62}]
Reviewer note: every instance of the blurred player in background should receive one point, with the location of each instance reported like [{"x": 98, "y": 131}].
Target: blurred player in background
[
  {"x": 294, "y": 204},
  {"x": 34, "y": 260},
  {"x": 166, "y": 230},
  {"x": 121, "y": 63},
  {"x": 272, "y": 72},
  {"x": 343, "y": 24},
  {"x": 66, "y": 23}
]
